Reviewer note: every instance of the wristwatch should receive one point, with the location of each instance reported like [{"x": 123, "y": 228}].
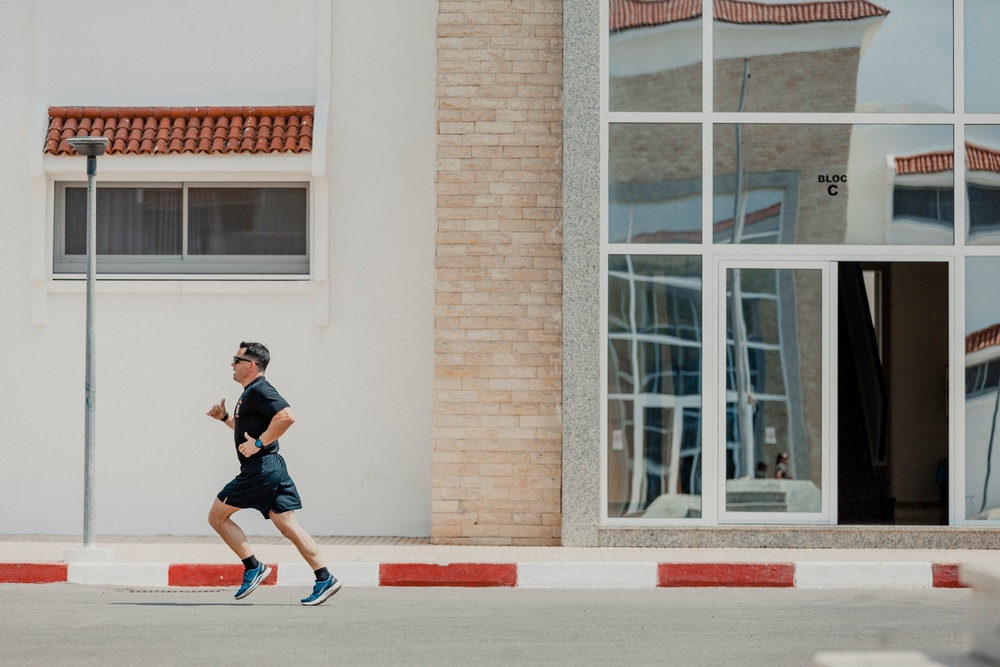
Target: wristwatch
[{"x": 259, "y": 443}]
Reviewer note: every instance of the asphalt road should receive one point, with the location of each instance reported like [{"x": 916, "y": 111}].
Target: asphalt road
[{"x": 67, "y": 624}]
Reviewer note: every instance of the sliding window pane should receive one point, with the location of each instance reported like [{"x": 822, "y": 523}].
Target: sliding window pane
[
  {"x": 247, "y": 221},
  {"x": 130, "y": 221}
]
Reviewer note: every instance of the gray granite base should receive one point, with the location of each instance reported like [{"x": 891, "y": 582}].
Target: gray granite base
[{"x": 804, "y": 537}]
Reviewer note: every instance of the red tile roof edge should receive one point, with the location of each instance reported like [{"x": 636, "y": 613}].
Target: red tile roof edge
[
  {"x": 982, "y": 339},
  {"x": 977, "y": 158},
  {"x": 926, "y": 163},
  {"x": 184, "y": 130},
  {"x": 626, "y": 14},
  {"x": 752, "y": 218},
  {"x": 981, "y": 158}
]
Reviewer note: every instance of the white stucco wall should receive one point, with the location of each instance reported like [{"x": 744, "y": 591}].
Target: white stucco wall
[{"x": 352, "y": 349}]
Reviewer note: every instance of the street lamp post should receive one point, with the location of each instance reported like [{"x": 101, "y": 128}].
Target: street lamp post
[{"x": 90, "y": 147}]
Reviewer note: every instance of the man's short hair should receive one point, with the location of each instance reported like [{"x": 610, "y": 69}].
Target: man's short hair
[{"x": 258, "y": 352}]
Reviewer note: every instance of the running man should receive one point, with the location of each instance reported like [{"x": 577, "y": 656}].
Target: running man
[{"x": 260, "y": 418}]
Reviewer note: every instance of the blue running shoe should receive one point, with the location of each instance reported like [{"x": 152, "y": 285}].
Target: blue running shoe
[
  {"x": 322, "y": 591},
  {"x": 252, "y": 579}
]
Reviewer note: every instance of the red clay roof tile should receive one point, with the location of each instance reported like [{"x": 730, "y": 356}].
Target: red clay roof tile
[
  {"x": 179, "y": 130},
  {"x": 982, "y": 339},
  {"x": 752, "y": 218},
  {"x": 977, "y": 158},
  {"x": 627, "y": 14},
  {"x": 925, "y": 163},
  {"x": 980, "y": 158}
]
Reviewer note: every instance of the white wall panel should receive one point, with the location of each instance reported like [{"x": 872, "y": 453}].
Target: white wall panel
[{"x": 360, "y": 385}]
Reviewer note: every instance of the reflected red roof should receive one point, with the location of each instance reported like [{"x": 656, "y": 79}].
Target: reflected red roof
[
  {"x": 982, "y": 339},
  {"x": 627, "y": 14},
  {"x": 977, "y": 158},
  {"x": 926, "y": 163},
  {"x": 980, "y": 158},
  {"x": 179, "y": 130},
  {"x": 752, "y": 218}
]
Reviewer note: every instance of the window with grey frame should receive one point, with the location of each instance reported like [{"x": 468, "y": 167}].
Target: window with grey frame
[{"x": 185, "y": 228}]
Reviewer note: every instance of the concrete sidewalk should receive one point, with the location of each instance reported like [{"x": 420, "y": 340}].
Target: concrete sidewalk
[{"x": 205, "y": 561}]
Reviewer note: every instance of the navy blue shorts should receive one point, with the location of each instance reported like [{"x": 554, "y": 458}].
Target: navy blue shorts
[{"x": 264, "y": 485}]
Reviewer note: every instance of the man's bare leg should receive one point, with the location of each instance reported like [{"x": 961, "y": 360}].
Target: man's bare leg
[
  {"x": 219, "y": 517},
  {"x": 296, "y": 534}
]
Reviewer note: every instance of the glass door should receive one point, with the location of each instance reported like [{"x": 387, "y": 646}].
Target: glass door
[{"x": 776, "y": 393}]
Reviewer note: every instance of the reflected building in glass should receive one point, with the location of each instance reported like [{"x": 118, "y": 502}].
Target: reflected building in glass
[
  {"x": 655, "y": 56},
  {"x": 982, "y": 184},
  {"x": 982, "y": 398},
  {"x": 654, "y": 386},
  {"x": 782, "y": 236},
  {"x": 790, "y": 57}
]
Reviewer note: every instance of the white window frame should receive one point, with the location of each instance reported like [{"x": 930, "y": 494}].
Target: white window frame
[
  {"x": 955, "y": 253},
  {"x": 185, "y": 264},
  {"x": 828, "y": 439}
]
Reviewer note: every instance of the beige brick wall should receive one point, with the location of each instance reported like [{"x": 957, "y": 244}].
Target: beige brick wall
[{"x": 498, "y": 367}]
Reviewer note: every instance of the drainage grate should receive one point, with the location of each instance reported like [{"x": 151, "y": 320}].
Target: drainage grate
[{"x": 130, "y": 589}]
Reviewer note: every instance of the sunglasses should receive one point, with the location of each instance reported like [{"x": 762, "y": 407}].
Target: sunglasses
[{"x": 237, "y": 360}]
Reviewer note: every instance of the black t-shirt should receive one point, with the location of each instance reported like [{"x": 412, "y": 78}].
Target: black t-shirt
[{"x": 254, "y": 412}]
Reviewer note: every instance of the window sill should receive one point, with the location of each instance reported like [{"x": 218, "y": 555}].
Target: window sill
[{"x": 64, "y": 278}]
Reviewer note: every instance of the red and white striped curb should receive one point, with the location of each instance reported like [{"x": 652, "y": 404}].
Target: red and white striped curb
[{"x": 805, "y": 574}]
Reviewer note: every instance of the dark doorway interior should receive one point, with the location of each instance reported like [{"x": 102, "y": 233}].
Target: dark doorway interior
[{"x": 892, "y": 393}]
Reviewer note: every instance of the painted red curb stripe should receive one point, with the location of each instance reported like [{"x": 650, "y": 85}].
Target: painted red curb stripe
[
  {"x": 726, "y": 574},
  {"x": 946, "y": 575},
  {"x": 454, "y": 574},
  {"x": 212, "y": 575},
  {"x": 32, "y": 573}
]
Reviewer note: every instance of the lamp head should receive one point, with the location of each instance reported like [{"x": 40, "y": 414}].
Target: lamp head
[{"x": 88, "y": 146}]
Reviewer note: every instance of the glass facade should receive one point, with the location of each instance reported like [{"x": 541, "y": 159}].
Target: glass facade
[
  {"x": 654, "y": 386},
  {"x": 736, "y": 370},
  {"x": 982, "y": 391},
  {"x": 773, "y": 456},
  {"x": 654, "y": 174}
]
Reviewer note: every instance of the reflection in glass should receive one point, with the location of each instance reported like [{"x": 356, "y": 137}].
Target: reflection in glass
[
  {"x": 784, "y": 58},
  {"x": 907, "y": 66},
  {"x": 654, "y": 60},
  {"x": 982, "y": 52},
  {"x": 833, "y": 184},
  {"x": 654, "y": 386},
  {"x": 982, "y": 184},
  {"x": 654, "y": 174},
  {"x": 982, "y": 389},
  {"x": 833, "y": 56},
  {"x": 773, "y": 446}
]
